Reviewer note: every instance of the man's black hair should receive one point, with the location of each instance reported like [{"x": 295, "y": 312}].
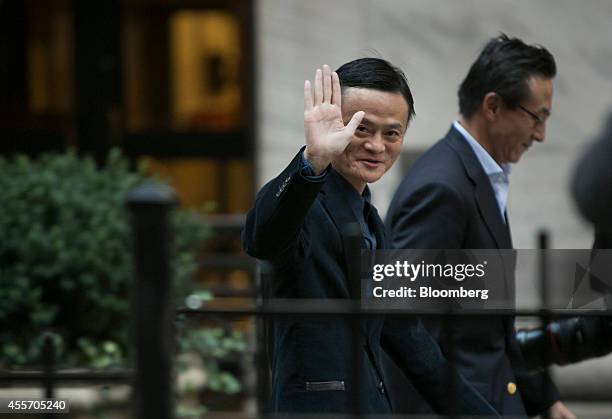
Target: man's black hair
[
  {"x": 504, "y": 66},
  {"x": 376, "y": 74}
]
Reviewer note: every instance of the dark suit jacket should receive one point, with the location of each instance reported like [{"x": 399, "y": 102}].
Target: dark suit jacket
[
  {"x": 298, "y": 225},
  {"x": 446, "y": 201}
]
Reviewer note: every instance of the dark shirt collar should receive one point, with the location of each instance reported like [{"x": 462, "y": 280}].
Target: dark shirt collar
[
  {"x": 360, "y": 206},
  {"x": 355, "y": 200}
]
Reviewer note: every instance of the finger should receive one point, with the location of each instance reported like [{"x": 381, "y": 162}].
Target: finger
[
  {"x": 327, "y": 84},
  {"x": 307, "y": 96},
  {"x": 354, "y": 122},
  {"x": 336, "y": 90},
  {"x": 318, "y": 88}
]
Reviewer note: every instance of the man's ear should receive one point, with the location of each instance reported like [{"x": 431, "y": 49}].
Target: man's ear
[{"x": 490, "y": 106}]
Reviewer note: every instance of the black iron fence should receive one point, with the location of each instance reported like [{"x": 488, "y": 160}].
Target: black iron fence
[{"x": 153, "y": 316}]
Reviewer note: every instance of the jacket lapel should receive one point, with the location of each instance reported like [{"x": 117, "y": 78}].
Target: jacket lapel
[
  {"x": 340, "y": 212},
  {"x": 485, "y": 197},
  {"x": 508, "y": 230}
]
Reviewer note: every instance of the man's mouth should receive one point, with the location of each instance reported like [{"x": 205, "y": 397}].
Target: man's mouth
[{"x": 371, "y": 163}]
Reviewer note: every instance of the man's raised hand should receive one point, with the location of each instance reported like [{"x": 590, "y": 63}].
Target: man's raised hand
[{"x": 326, "y": 135}]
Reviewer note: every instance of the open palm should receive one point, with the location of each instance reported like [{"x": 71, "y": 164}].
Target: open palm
[{"x": 326, "y": 134}]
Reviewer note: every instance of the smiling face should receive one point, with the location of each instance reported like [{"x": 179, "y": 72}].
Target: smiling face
[
  {"x": 516, "y": 129},
  {"x": 378, "y": 140}
]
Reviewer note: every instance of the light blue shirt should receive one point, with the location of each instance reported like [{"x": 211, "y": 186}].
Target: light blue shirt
[{"x": 498, "y": 175}]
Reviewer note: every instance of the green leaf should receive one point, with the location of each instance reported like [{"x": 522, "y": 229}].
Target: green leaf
[{"x": 66, "y": 265}]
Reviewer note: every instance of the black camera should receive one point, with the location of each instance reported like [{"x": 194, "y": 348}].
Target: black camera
[{"x": 566, "y": 341}]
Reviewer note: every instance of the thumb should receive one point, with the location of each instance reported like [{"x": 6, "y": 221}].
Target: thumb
[{"x": 354, "y": 122}]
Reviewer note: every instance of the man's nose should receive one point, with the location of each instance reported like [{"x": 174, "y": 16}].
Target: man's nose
[
  {"x": 540, "y": 133},
  {"x": 375, "y": 143}
]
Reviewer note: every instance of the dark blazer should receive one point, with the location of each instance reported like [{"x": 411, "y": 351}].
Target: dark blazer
[
  {"x": 446, "y": 201},
  {"x": 298, "y": 225}
]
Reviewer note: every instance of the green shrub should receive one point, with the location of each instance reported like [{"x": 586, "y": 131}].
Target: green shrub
[{"x": 65, "y": 264}]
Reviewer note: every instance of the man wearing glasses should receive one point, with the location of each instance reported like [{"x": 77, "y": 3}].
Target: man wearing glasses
[{"x": 454, "y": 197}]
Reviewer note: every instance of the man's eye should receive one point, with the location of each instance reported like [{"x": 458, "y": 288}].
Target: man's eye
[
  {"x": 362, "y": 128},
  {"x": 393, "y": 134}
]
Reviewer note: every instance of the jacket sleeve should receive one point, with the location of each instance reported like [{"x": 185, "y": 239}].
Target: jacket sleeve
[
  {"x": 414, "y": 350},
  {"x": 273, "y": 224}
]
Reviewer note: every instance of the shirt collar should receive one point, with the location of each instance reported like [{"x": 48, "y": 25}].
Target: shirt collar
[
  {"x": 489, "y": 165},
  {"x": 356, "y": 201}
]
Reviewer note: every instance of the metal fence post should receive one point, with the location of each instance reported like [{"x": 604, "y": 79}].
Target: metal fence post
[
  {"x": 48, "y": 361},
  {"x": 151, "y": 307},
  {"x": 49, "y": 364},
  {"x": 263, "y": 277},
  {"x": 353, "y": 244},
  {"x": 545, "y": 318}
]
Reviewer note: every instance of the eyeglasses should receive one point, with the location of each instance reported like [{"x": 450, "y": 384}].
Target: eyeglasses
[{"x": 536, "y": 118}]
